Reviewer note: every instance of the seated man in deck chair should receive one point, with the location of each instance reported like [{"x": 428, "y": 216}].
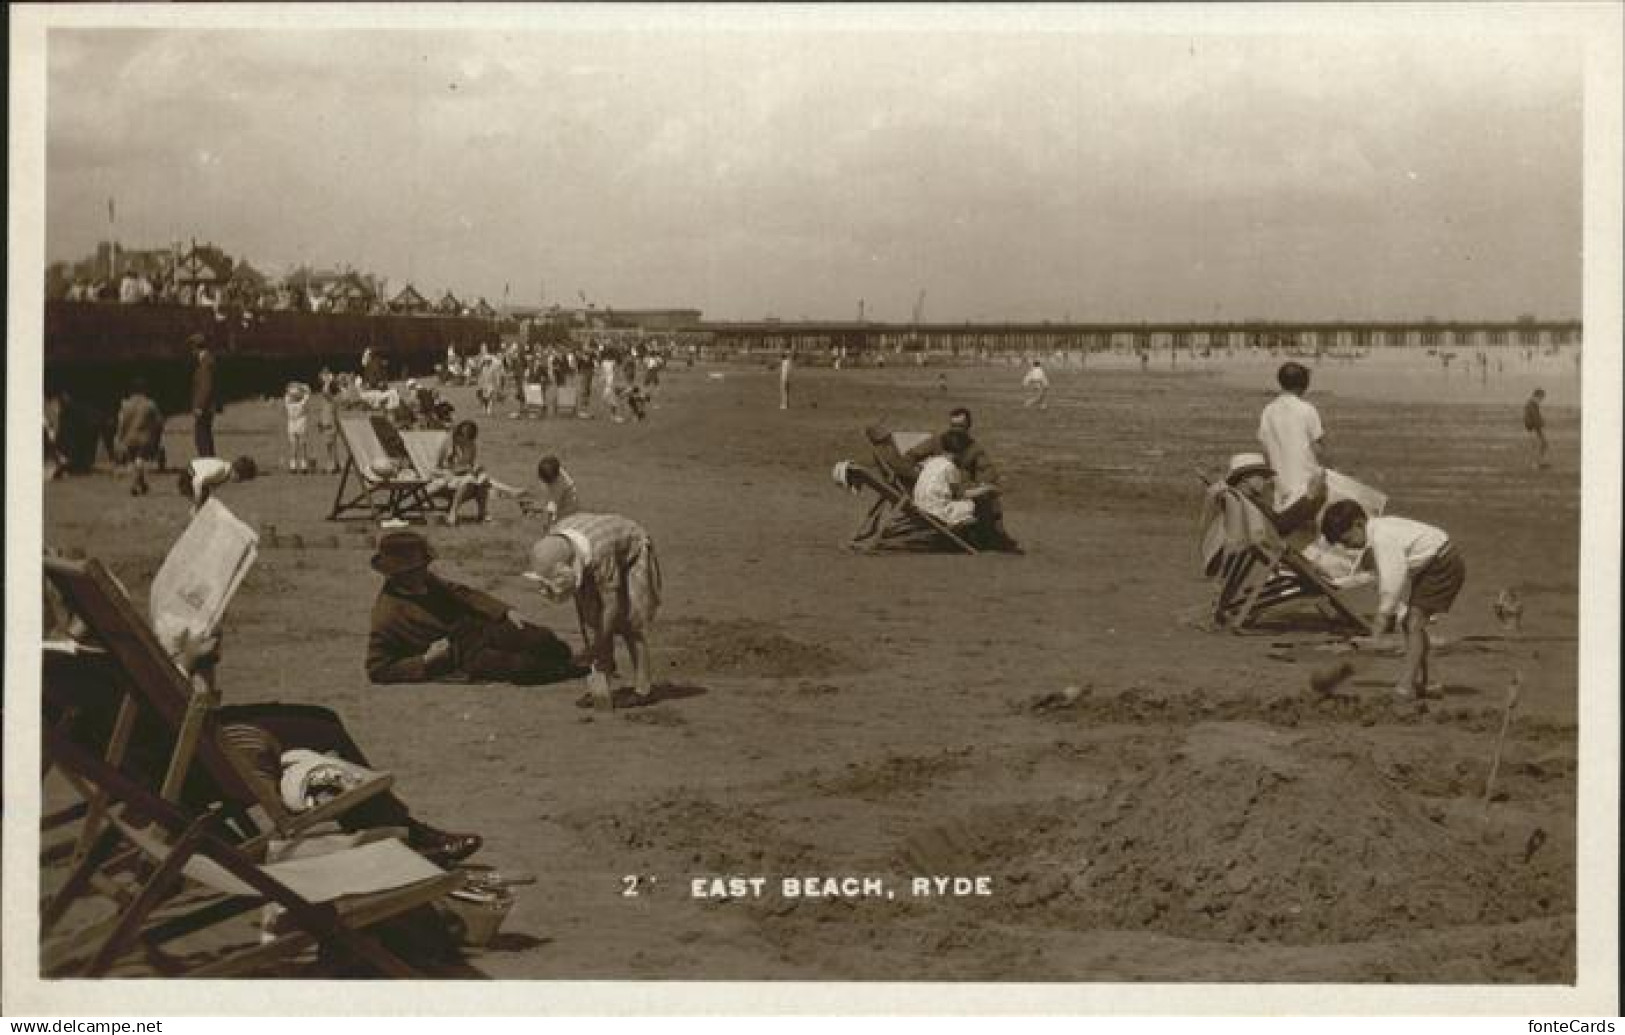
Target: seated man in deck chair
[
  {"x": 264, "y": 731},
  {"x": 893, "y": 523},
  {"x": 428, "y": 630},
  {"x": 1251, "y": 476},
  {"x": 981, "y": 475}
]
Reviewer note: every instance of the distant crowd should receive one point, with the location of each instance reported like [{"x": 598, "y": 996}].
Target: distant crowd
[
  {"x": 620, "y": 379},
  {"x": 137, "y": 288}
]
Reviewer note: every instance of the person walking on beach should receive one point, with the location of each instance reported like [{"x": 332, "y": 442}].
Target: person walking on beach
[
  {"x": 784, "y": 380},
  {"x": 139, "y": 439},
  {"x": 1037, "y": 384},
  {"x": 1534, "y": 423}
]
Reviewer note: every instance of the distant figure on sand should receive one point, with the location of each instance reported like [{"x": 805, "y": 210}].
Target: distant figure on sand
[
  {"x": 1037, "y": 385},
  {"x": 296, "y": 401},
  {"x": 784, "y": 380},
  {"x": 205, "y": 396},
  {"x": 1534, "y": 422},
  {"x": 139, "y": 440},
  {"x": 326, "y": 405},
  {"x": 1295, "y": 444}
]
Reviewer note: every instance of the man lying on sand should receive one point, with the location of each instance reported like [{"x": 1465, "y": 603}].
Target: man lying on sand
[{"x": 426, "y": 629}]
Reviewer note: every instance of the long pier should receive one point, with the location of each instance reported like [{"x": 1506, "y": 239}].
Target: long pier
[
  {"x": 95, "y": 348},
  {"x": 1006, "y": 339}
]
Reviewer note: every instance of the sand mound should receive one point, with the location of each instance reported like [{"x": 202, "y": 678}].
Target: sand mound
[
  {"x": 748, "y": 649},
  {"x": 1098, "y": 706},
  {"x": 1247, "y": 835}
]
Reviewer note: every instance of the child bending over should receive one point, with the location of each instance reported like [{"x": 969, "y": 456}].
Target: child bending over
[{"x": 1417, "y": 565}]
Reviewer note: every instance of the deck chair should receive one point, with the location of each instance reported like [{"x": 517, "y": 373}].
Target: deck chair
[
  {"x": 532, "y": 400},
  {"x": 569, "y": 398},
  {"x": 403, "y": 495},
  {"x": 155, "y": 695},
  {"x": 1258, "y": 570},
  {"x": 893, "y": 518},
  {"x": 326, "y": 901}
]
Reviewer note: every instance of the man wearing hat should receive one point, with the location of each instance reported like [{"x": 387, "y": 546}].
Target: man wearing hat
[
  {"x": 426, "y": 629},
  {"x": 205, "y": 398},
  {"x": 607, "y": 564},
  {"x": 1251, "y": 476}
]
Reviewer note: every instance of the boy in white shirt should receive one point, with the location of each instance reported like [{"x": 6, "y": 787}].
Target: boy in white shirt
[
  {"x": 1295, "y": 443},
  {"x": 1417, "y": 565}
]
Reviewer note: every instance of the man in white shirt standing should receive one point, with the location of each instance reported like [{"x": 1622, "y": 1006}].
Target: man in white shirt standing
[
  {"x": 784, "y": 380},
  {"x": 1417, "y": 565},
  {"x": 1295, "y": 444}
]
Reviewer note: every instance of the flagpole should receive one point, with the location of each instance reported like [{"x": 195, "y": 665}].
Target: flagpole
[{"x": 112, "y": 241}]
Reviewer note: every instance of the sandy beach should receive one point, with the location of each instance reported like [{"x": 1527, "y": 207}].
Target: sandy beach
[{"x": 1193, "y": 812}]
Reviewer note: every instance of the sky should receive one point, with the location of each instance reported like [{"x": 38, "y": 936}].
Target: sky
[{"x": 1027, "y": 173}]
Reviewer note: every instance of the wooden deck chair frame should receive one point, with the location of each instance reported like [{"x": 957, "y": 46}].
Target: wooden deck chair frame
[
  {"x": 893, "y": 494},
  {"x": 151, "y": 682},
  {"x": 404, "y": 496},
  {"x": 1265, "y": 571},
  {"x": 195, "y": 850}
]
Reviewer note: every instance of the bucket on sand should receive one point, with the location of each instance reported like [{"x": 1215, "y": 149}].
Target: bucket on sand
[{"x": 475, "y": 914}]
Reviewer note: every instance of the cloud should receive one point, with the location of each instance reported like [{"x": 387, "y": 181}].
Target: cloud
[{"x": 1008, "y": 172}]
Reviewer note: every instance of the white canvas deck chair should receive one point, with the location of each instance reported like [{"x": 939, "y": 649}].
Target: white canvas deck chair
[
  {"x": 374, "y": 444},
  {"x": 893, "y": 522},
  {"x": 159, "y": 708},
  {"x": 569, "y": 398},
  {"x": 532, "y": 400},
  {"x": 1256, "y": 570},
  {"x": 199, "y": 881}
]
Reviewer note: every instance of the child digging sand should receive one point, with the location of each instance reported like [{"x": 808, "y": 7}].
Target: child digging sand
[
  {"x": 1417, "y": 565},
  {"x": 560, "y": 489}
]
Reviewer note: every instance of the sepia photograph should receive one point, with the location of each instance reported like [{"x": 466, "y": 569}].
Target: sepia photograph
[{"x": 1081, "y": 507}]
